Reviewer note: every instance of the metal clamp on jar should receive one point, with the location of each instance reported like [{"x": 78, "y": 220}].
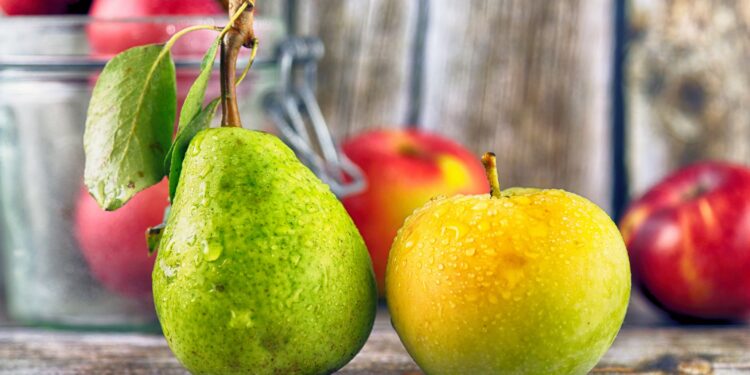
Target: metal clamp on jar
[{"x": 297, "y": 115}]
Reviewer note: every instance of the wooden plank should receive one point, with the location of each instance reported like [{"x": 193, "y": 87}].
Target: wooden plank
[
  {"x": 688, "y": 85},
  {"x": 697, "y": 350},
  {"x": 529, "y": 80},
  {"x": 364, "y": 76}
]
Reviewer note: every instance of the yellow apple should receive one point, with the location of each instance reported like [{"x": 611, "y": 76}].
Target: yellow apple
[{"x": 523, "y": 281}]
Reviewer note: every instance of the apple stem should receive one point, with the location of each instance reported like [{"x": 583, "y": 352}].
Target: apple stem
[
  {"x": 490, "y": 168},
  {"x": 240, "y": 34}
]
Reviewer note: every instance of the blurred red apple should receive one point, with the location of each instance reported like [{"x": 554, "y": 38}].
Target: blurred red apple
[
  {"x": 689, "y": 242},
  {"x": 33, "y": 7},
  {"x": 114, "y": 243},
  {"x": 112, "y": 33},
  {"x": 404, "y": 169}
]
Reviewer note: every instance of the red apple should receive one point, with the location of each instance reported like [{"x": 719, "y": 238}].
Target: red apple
[
  {"x": 404, "y": 169},
  {"x": 114, "y": 243},
  {"x": 33, "y": 7},
  {"x": 689, "y": 242},
  {"x": 113, "y": 33}
]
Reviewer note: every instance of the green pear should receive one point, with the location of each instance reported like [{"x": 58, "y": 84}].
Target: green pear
[{"x": 260, "y": 269}]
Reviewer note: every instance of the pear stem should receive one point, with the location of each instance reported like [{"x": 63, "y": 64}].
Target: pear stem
[
  {"x": 240, "y": 34},
  {"x": 490, "y": 168}
]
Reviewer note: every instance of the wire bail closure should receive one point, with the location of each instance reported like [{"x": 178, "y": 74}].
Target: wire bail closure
[{"x": 295, "y": 112}]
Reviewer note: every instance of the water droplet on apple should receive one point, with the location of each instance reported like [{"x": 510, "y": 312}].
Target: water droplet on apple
[
  {"x": 454, "y": 229},
  {"x": 470, "y": 251},
  {"x": 479, "y": 206}
]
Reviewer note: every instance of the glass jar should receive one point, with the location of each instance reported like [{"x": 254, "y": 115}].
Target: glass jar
[{"x": 48, "y": 66}]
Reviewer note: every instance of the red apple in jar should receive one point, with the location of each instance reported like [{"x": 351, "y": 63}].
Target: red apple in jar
[
  {"x": 404, "y": 170},
  {"x": 689, "y": 242},
  {"x": 117, "y": 26},
  {"x": 34, "y": 7},
  {"x": 114, "y": 243}
]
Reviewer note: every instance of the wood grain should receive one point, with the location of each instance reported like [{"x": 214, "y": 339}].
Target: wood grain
[
  {"x": 530, "y": 81},
  {"x": 363, "y": 78},
  {"x": 688, "y": 85},
  {"x": 699, "y": 350}
]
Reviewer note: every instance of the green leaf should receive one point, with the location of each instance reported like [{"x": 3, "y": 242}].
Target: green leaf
[
  {"x": 129, "y": 125},
  {"x": 182, "y": 141},
  {"x": 194, "y": 99}
]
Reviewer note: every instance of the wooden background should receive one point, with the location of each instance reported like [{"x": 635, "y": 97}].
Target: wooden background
[
  {"x": 534, "y": 82},
  {"x": 688, "y": 79},
  {"x": 529, "y": 80}
]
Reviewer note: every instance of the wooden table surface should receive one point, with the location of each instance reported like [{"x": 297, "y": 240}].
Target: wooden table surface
[{"x": 637, "y": 350}]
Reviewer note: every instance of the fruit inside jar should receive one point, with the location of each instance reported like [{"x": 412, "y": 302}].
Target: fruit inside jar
[{"x": 47, "y": 70}]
